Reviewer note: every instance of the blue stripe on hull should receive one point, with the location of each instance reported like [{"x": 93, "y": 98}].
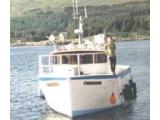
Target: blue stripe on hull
[
  {"x": 51, "y": 78},
  {"x": 106, "y": 77},
  {"x": 79, "y": 77},
  {"x": 93, "y": 77}
]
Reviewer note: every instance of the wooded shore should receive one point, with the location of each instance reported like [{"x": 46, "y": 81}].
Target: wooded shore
[{"x": 48, "y": 43}]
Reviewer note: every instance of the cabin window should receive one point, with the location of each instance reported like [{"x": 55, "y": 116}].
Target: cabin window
[
  {"x": 51, "y": 60},
  {"x": 100, "y": 58},
  {"x": 86, "y": 59},
  {"x": 56, "y": 60},
  {"x": 73, "y": 59},
  {"x": 65, "y": 59},
  {"x": 45, "y": 60},
  {"x": 69, "y": 59}
]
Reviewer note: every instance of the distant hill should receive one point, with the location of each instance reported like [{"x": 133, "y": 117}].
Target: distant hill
[{"x": 20, "y": 7}]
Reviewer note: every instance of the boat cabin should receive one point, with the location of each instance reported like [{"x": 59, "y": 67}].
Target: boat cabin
[{"x": 73, "y": 63}]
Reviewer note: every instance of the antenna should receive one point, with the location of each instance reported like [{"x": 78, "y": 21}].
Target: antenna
[
  {"x": 79, "y": 31},
  {"x": 104, "y": 34},
  {"x": 85, "y": 12},
  {"x": 76, "y": 8},
  {"x": 73, "y": 9}
]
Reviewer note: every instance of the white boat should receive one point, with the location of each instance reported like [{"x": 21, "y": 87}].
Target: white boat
[{"x": 77, "y": 80}]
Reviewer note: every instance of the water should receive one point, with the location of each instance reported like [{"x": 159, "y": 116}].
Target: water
[{"x": 25, "y": 105}]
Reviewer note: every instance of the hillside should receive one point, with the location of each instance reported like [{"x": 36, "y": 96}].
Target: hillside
[
  {"x": 33, "y": 20},
  {"x": 20, "y": 7}
]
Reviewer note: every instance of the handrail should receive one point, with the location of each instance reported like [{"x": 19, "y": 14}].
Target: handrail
[{"x": 71, "y": 54}]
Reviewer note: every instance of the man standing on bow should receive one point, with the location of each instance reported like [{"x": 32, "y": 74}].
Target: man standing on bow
[{"x": 110, "y": 49}]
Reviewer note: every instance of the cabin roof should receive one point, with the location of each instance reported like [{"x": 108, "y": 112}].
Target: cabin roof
[{"x": 77, "y": 52}]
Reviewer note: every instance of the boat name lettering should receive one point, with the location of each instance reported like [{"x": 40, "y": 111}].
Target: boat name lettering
[
  {"x": 92, "y": 82},
  {"x": 52, "y": 84}
]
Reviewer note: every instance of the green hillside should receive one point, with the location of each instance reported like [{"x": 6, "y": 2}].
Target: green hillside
[
  {"x": 20, "y": 7},
  {"x": 33, "y": 20}
]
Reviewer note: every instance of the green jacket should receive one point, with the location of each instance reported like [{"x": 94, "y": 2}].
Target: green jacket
[{"x": 110, "y": 49}]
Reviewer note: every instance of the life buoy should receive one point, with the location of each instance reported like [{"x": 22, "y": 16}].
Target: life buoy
[{"x": 113, "y": 98}]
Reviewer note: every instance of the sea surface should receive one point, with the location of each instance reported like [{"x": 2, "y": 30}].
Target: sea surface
[{"x": 26, "y": 105}]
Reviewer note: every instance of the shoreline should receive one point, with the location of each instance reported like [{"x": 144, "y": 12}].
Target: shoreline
[{"x": 47, "y": 43}]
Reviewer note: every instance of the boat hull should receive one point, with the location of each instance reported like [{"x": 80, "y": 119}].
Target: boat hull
[{"x": 79, "y": 96}]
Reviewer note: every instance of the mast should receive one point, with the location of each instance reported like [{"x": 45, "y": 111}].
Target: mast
[
  {"x": 79, "y": 31},
  {"x": 76, "y": 8},
  {"x": 74, "y": 16},
  {"x": 85, "y": 12}
]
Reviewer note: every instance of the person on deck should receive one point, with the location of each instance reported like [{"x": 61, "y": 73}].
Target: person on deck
[{"x": 110, "y": 49}]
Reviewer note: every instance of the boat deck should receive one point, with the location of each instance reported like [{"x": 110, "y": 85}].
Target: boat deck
[{"x": 121, "y": 71}]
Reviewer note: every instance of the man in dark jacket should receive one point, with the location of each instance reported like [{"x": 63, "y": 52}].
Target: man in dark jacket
[{"x": 110, "y": 49}]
